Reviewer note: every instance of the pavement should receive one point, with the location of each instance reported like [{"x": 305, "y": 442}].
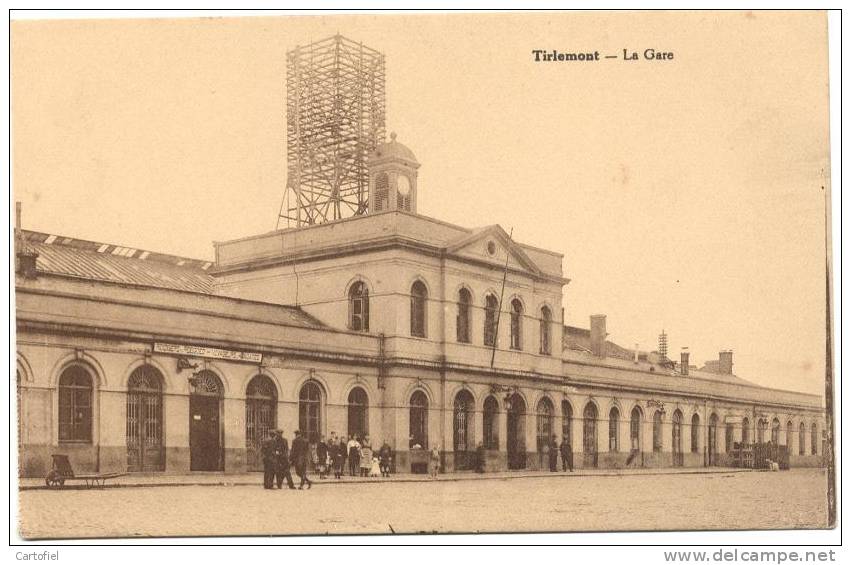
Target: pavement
[
  {"x": 646, "y": 500},
  {"x": 256, "y": 478}
]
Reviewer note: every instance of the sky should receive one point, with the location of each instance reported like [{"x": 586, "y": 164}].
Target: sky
[{"x": 686, "y": 195}]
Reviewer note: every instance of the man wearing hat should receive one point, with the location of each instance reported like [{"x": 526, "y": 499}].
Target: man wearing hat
[
  {"x": 282, "y": 460},
  {"x": 267, "y": 450},
  {"x": 300, "y": 453}
]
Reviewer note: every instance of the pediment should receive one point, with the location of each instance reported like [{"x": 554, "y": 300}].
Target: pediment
[{"x": 492, "y": 244}]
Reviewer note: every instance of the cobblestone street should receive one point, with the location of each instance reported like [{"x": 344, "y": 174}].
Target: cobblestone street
[{"x": 794, "y": 499}]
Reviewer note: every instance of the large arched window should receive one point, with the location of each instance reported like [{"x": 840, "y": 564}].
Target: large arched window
[
  {"x": 802, "y": 439},
  {"x": 657, "y": 431},
  {"x": 614, "y": 421},
  {"x": 566, "y": 422},
  {"x": 418, "y": 419},
  {"x": 144, "y": 429},
  {"x": 635, "y": 418},
  {"x": 75, "y": 405},
  {"x": 358, "y": 413},
  {"x": 746, "y": 431},
  {"x": 419, "y": 298},
  {"x": 462, "y": 429},
  {"x": 589, "y": 434},
  {"x": 775, "y": 431},
  {"x": 359, "y": 307},
  {"x": 462, "y": 322},
  {"x": 516, "y": 324},
  {"x": 546, "y": 324},
  {"x": 790, "y": 430},
  {"x": 310, "y": 410},
  {"x": 261, "y": 417},
  {"x": 490, "y": 427},
  {"x": 544, "y": 429},
  {"x": 491, "y": 313},
  {"x": 814, "y": 439},
  {"x": 695, "y": 433}
]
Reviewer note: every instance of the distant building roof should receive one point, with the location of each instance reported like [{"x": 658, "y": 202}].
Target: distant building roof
[{"x": 92, "y": 260}]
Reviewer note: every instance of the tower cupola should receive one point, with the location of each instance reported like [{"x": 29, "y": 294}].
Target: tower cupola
[{"x": 392, "y": 177}]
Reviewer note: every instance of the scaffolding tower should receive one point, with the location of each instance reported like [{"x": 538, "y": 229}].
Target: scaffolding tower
[{"x": 335, "y": 118}]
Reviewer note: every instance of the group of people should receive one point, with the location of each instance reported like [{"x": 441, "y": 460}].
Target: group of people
[
  {"x": 566, "y": 451},
  {"x": 326, "y": 457},
  {"x": 278, "y": 458}
]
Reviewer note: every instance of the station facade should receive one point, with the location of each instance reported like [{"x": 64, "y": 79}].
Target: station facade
[{"x": 391, "y": 325}]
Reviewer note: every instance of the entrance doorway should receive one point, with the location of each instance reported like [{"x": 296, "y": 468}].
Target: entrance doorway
[
  {"x": 516, "y": 432},
  {"x": 144, "y": 430},
  {"x": 205, "y": 435},
  {"x": 261, "y": 407}
]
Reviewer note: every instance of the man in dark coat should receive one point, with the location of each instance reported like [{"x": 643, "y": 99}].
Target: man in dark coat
[
  {"x": 321, "y": 456},
  {"x": 300, "y": 455},
  {"x": 566, "y": 455},
  {"x": 385, "y": 457},
  {"x": 480, "y": 458},
  {"x": 281, "y": 455},
  {"x": 267, "y": 450},
  {"x": 553, "y": 454}
]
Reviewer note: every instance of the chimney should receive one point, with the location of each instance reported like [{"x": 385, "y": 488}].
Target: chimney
[
  {"x": 598, "y": 335},
  {"x": 26, "y": 257},
  {"x": 684, "y": 361},
  {"x": 725, "y": 362}
]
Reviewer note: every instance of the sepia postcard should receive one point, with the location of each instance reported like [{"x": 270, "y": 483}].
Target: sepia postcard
[{"x": 404, "y": 273}]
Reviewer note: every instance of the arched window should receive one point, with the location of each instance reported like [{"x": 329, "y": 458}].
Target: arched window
[
  {"x": 695, "y": 433},
  {"x": 566, "y": 422},
  {"x": 75, "y": 405},
  {"x": 491, "y": 311},
  {"x": 310, "y": 410},
  {"x": 775, "y": 431},
  {"x": 589, "y": 434},
  {"x": 814, "y": 439},
  {"x": 418, "y": 423},
  {"x": 261, "y": 417},
  {"x": 382, "y": 192},
  {"x": 419, "y": 298},
  {"x": 462, "y": 322},
  {"x": 490, "y": 426},
  {"x": 544, "y": 429},
  {"x": 802, "y": 439},
  {"x": 546, "y": 323},
  {"x": 614, "y": 418},
  {"x": 462, "y": 429},
  {"x": 359, "y": 307},
  {"x": 746, "y": 431},
  {"x": 761, "y": 428},
  {"x": 358, "y": 413},
  {"x": 790, "y": 430},
  {"x": 635, "y": 429},
  {"x": 677, "y": 433},
  {"x": 516, "y": 324},
  {"x": 657, "y": 431},
  {"x": 144, "y": 430}
]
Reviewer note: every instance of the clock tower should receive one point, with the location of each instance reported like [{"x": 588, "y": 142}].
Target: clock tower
[{"x": 392, "y": 178}]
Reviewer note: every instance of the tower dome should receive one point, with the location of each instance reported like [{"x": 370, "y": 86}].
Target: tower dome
[
  {"x": 392, "y": 177},
  {"x": 393, "y": 151}
]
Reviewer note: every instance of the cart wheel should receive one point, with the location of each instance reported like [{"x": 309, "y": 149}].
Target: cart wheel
[{"x": 54, "y": 479}]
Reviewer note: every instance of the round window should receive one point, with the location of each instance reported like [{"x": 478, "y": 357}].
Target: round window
[{"x": 491, "y": 248}]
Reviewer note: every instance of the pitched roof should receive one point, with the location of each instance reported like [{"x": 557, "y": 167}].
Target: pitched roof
[{"x": 91, "y": 260}]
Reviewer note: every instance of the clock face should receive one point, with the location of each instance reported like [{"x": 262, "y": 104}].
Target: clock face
[{"x": 403, "y": 185}]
